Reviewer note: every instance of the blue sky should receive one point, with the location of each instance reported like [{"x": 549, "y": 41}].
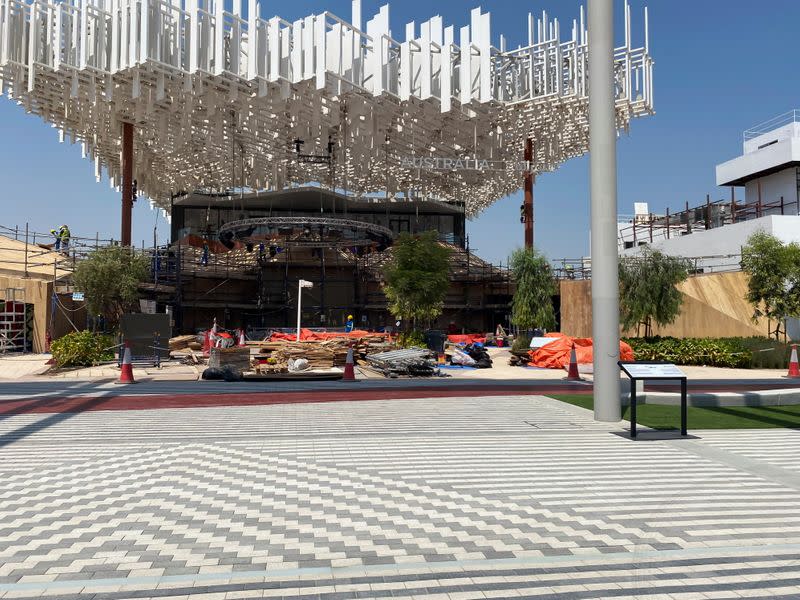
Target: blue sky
[{"x": 721, "y": 67}]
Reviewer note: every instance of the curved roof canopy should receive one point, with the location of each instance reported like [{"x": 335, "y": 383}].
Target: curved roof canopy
[{"x": 219, "y": 96}]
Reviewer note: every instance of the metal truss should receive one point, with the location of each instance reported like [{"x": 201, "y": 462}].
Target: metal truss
[
  {"x": 362, "y": 233},
  {"x": 217, "y": 94}
]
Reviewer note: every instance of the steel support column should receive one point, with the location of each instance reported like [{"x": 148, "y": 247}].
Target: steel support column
[
  {"x": 603, "y": 176},
  {"x": 127, "y": 183},
  {"x": 527, "y": 210}
]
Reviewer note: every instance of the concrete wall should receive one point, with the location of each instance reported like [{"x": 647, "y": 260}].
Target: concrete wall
[
  {"x": 773, "y": 187},
  {"x": 714, "y": 306}
]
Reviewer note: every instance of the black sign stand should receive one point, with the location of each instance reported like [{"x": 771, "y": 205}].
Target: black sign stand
[{"x": 634, "y": 379}]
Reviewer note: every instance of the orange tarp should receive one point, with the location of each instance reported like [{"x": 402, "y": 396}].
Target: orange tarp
[
  {"x": 306, "y": 335},
  {"x": 555, "y": 355}
]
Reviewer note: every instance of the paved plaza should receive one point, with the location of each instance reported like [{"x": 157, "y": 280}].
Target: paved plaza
[{"x": 450, "y": 498}]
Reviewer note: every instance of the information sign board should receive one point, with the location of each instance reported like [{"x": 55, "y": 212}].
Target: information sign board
[
  {"x": 77, "y": 296},
  {"x": 651, "y": 371}
]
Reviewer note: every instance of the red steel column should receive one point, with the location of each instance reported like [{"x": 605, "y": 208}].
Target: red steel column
[
  {"x": 527, "y": 212},
  {"x": 127, "y": 183}
]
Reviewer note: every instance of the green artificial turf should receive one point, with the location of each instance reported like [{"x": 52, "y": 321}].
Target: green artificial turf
[{"x": 723, "y": 417}]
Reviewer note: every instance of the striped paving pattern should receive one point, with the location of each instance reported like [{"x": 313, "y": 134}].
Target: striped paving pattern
[{"x": 442, "y": 497}]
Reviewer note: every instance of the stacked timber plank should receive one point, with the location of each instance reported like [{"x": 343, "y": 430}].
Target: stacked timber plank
[
  {"x": 319, "y": 354},
  {"x": 183, "y": 342}
]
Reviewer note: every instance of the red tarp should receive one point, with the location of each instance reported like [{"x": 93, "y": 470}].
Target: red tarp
[
  {"x": 555, "y": 355},
  {"x": 469, "y": 338},
  {"x": 306, "y": 335}
]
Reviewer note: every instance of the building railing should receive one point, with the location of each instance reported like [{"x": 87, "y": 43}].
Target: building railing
[
  {"x": 787, "y": 118},
  {"x": 581, "y": 268},
  {"x": 645, "y": 229}
]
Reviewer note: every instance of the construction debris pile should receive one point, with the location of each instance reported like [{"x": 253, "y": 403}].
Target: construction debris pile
[
  {"x": 414, "y": 362},
  {"x": 274, "y": 354}
]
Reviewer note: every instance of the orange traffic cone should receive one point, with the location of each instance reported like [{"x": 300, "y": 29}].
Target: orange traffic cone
[
  {"x": 206, "y": 343},
  {"x": 794, "y": 368},
  {"x": 126, "y": 372},
  {"x": 572, "y": 372},
  {"x": 349, "y": 372}
]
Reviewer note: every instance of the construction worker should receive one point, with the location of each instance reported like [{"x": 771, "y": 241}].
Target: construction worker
[
  {"x": 62, "y": 239},
  {"x": 350, "y": 324}
]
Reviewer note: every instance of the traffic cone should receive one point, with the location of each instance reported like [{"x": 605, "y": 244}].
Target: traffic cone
[
  {"x": 206, "y": 343},
  {"x": 241, "y": 338},
  {"x": 572, "y": 372},
  {"x": 794, "y": 368},
  {"x": 126, "y": 371},
  {"x": 349, "y": 372}
]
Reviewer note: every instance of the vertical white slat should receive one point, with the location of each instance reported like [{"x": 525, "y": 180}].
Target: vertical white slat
[
  {"x": 319, "y": 42},
  {"x": 33, "y": 40},
  {"x": 333, "y": 49},
  {"x": 114, "y": 36},
  {"x": 296, "y": 71},
  {"x": 236, "y": 38},
  {"x": 284, "y": 53},
  {"x": 355, "y": 12},
  {"x": 405, "y": 70},
  {"x": 447, "y": 70},
  {"x": 219, "y": 37},
  {"x": 425, "y": 61},
  {"x": 346, "y": 48},
  {"x": 484, "y": 36},
  {"x": 123, "y": 41},
  {"x": 252, "y": 39},
  {"x": 57, "y": 37},
  {"x": 83, "y": 33},
  {"x": 558, "y": 66},
  {"x": 144, "y": 32},
  {"x": 194, "y": 34},
  {"x": 4, "y": 33},
  {"x": 274, "y": 40},
  {"x": 465, "y": 70},
  {"x": 308, "y": 48},
  {"x": 133, "y": 38}
]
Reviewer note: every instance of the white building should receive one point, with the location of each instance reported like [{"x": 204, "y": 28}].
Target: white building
[{"x": 712, "y": 234}]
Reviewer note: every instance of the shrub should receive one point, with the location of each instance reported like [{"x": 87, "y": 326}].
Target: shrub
[
  {"x": 742, "y": 353},
  {"x": 410, "y": 339},
  {"x": 693, "y": 351},
  {"x": 82, "y": 349},
  {"x": 521, "y": 344}
]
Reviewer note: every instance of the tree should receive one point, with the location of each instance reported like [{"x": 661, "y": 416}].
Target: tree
[
  {"x": 532, "y": 305},
  {"x": 417, "y": 278},
  {"x": 773, "y": 286},
  {"x": 110, "y": 279},
  {"x": 647, "y": 290}
]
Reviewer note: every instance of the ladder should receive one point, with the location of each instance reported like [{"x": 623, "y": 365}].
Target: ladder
[{"x": 14, "y": 321}]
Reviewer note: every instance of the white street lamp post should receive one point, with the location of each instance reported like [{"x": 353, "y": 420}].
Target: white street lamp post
[{"x": 300, "y": 285}]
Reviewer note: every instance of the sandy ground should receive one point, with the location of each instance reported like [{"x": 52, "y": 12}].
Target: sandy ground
[{"x": 34, "y": 366}]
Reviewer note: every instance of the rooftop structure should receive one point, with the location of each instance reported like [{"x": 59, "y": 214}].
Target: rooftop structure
[
  {"x": 219, "y": 97},
  {"x": 769, "y": 170},
  {"x": 768, "y": 166}
]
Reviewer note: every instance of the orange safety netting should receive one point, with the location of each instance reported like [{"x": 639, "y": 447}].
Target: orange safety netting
[
  {"x": 306, "y": 335},
  {"x": 555, "y": 355},
  {"x": 469, "y": 338}
]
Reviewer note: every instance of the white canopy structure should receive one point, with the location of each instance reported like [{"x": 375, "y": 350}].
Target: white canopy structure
[{"x": 218, "y": 96}]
